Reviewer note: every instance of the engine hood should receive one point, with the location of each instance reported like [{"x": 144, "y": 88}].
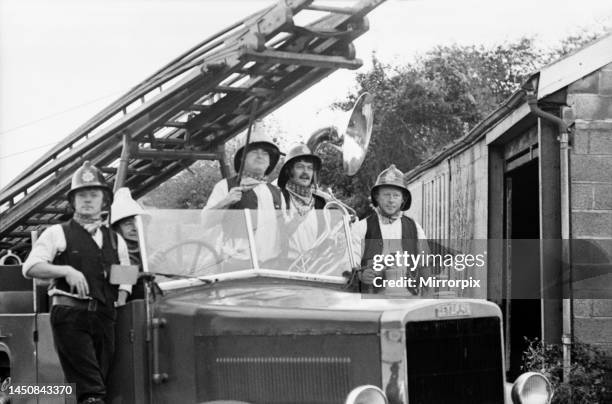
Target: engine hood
[
  {"x": 284, "y": 294},
  {"x": 262, "y": 305},
  {"x": 269, "y": 305}
]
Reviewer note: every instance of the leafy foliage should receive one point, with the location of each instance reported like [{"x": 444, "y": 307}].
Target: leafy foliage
[
  {"x": 587, "y": 372},
  {"x": 423, "y": 106},
  {"x": 190, "y": 188},
  {"x": 418, "y": 108},
  {"x": 187, "y": 190}
]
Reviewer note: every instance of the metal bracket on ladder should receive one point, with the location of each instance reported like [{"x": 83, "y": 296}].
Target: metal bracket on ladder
[{"x": 301, "y": 59}]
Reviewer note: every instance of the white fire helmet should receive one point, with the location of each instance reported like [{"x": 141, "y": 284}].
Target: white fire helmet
[{"x": 124, "y": 206}]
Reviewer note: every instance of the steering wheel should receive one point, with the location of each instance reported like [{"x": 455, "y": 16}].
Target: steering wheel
[{"x": 200, "y": 246}]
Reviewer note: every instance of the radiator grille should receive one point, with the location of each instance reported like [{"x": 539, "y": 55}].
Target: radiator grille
[
  {"x": 305, "y": 369},
  {"x": 458, "y": 361},
  {"x": 266, "y": 379}
]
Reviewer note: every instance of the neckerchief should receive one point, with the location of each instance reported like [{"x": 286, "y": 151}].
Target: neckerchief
[
  {"x": 301, "y": 197},
  {"x": 251, "y": 176},
  {"x": 89, "y": 223},
  {"x": 301, "y": 190},
  {"x": 385, "y": 219}
]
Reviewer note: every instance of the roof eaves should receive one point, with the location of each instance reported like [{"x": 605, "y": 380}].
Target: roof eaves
[{"x": 575, "y": 66}]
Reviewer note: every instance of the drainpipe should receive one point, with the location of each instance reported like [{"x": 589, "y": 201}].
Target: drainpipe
[{"x": 564, "y": 130}]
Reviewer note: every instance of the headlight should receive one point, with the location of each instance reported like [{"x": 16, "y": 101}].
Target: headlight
[
  {"x": 366, "y": 394},
  {"x": 531, "y": 388}
]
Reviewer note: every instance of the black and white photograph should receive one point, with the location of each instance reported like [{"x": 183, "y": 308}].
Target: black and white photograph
[{"x": 305, "y": 202}]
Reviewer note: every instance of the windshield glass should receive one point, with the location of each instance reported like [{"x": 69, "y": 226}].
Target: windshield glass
[{"x": 197, "y": 243}]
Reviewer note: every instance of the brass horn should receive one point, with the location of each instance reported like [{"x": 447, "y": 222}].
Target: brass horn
[{"x": 354, "y": 138}]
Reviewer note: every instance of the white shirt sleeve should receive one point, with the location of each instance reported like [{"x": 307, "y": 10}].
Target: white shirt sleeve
[
  {"x": 50, "y": 243},
  {"x": 220, "y": 191},
  {"x": 208, "y": 217}
]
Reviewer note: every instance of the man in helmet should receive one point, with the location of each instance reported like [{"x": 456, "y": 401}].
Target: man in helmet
[
  {"x": 387, "y": 230},
  {"x": 253, "y": 191},
  {"x": 77, "y": 256},
  {"x": 123, "y": 220},
  {"x": 298, "y": 183}
]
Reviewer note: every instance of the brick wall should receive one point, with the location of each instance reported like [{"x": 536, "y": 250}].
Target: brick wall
[{"x": 591, "y": 207}]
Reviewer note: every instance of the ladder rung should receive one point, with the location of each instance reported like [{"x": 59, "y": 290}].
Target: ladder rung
[
  {"x": 133, "y": 171},
  {"x": 174, "y": 154},
  {"x": 290, "y": 58},
  {"x": 20, "y": 234},
  {"x": 38, "y": 222},
  {"x": 332, "y": 9},
  {"x": 229, "y": 89},
  {"x": 198, "y": 107},
  {"x": 173, "y": 142},
  {"x": 257, "y": 91},
  {"x": 180, "y": 125}
]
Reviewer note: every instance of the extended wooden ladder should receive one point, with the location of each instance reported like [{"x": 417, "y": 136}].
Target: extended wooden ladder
[{"x": 188, "y": 110}]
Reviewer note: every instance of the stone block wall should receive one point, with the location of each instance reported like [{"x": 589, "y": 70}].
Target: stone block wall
[{"x": 591, "y": 207}]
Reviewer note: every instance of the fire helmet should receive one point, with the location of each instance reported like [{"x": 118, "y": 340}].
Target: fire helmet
[
  {"x": 259, "y": 140},
  {"x": 89, "y": 176},
  {"x": 300, "y": 151},
  {"x": 124, "y": 206},
  {"x": 392, "y": 177}
]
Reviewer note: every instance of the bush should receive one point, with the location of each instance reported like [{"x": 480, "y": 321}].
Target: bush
[{"x": 586, "y": 384}]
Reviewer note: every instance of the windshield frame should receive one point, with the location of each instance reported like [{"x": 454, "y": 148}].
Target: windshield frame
[
  {"x": 250, "y": 273},
  {"x": 256, "y": 270}
]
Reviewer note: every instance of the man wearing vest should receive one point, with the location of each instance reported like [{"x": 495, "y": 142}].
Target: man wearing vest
[
  {"x": 254, "y": 192},
  {"x": 77, "y": 256},
  {"x": 298, "y": 183},
  {"x": 388, "y": 230}
]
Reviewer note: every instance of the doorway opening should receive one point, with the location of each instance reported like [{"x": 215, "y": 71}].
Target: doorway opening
[{"x": 522, "y": 308}]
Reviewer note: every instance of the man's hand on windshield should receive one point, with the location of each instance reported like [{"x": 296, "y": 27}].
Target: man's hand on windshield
[{"x": 367, "y": 276}]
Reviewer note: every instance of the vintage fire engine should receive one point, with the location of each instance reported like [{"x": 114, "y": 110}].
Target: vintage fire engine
[{"x": 229, "y": 328}]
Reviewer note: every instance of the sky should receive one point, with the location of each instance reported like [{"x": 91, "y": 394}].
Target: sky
[{"x": 63, "y": 61}]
